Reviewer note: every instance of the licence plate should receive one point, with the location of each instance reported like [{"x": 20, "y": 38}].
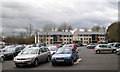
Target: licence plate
[{"x": 60, "y": 60}]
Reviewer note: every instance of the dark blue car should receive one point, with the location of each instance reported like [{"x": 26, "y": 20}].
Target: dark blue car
[{"x": 65, "y": 55}]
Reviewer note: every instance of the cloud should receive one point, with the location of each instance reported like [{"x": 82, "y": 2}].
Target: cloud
[{"x": 19, "y": 13}]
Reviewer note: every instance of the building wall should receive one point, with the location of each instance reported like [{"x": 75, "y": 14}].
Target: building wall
[{"x": 75, "y": 38}]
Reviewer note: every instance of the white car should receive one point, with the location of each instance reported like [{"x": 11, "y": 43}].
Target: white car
[{"x": 53, "y": 49}]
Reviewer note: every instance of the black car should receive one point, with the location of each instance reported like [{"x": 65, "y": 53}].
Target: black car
[{"x": 10, "y": 53}]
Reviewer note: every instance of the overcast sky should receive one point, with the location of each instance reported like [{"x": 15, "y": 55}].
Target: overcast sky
[{"x": 17, "y": 14}]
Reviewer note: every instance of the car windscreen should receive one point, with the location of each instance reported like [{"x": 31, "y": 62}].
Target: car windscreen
[
  {"x": 53, "y": 48},
  {"x": 67, "y": 45},
  {"x": 10, "y": 49},
  {"x": 64, "y": 51},
  {"x": 30, "y": 51}
]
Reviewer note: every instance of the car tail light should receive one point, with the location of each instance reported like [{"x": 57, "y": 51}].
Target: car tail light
[{"x": 94, "y": 48}]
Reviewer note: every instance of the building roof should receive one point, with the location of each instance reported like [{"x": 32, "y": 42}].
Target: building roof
[
  {"x": 55, "y": 33},
  {"x": 89, "y": 33}
]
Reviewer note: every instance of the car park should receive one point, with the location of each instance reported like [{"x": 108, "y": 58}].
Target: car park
[
  {"x": 53, "y": 49},
  {"x": 32, "y": 56},
  {"x": 65, "y": 55},
  {"x": 91, "y": 46},
  {"x": 104, "y": 47}
]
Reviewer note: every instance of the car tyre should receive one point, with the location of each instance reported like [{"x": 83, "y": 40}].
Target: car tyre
[
  {"x": 114, "y": 51},
  {"x": 72, "y": 62},
  {"x": 48, "y": 59},
  {"x": 118, "y": 53},
  {"x": 53, "y": 64},
  {"x": 17, "y": 65},
  {"x": 98, "y": 52},
  {"x": 2, "y": 59},
  {"x": 36, "y": 62}
]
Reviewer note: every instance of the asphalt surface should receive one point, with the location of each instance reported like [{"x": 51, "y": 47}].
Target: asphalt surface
[{"x": 88, "y": 61}]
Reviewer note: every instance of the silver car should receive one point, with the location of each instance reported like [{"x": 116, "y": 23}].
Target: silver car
[
  {"x": 32, "y": 56},
  {"x": 104, "y": 47}
]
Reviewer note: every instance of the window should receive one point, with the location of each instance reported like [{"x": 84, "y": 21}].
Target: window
[
  {"x": 43, "y": 50},
  {"x": 81, "y": 38},
  {"x": 46, "y": 49}
]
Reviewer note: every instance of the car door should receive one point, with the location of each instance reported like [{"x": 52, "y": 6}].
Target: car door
[
  {"x": 107, "y": 48},
  {"x": 44, "y": 54},
  {"x": 40, "y": 55},
  {"x": 74, "y": 54}
]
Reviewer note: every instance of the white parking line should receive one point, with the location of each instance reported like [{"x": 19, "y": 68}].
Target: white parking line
[{"x": 77, "y": 61}]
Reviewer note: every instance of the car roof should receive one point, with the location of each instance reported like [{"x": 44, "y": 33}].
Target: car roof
[
  {"x": 34, "y": 48},
  {"x": 102, "y": 44},
  {"x": 67, "y": 47}
]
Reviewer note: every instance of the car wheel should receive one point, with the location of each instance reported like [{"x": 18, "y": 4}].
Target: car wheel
[
  {"x": 17, "y": 65},
  {"x": 2, "y": 59},
  {"x": 48, "y": 59},
  {"x": 72, "y": 62},
  {"x": 13, "y": 56},
  {"x": 118, "y": 53},
  {"x": 114, "y": 51},
  {"x": 36, "y": 62},
  {"x": 97, "y": 52},
  {"x": 53, "y": 64}
]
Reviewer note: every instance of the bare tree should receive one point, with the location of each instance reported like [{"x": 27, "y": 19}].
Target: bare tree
[
  {"x": 86, "y": 30},
  {"x": 103, "y": 28},
  {"x": 64, "y": 26},
  {"x": 70, "y": 28},
  {"x": 59, "y": 29},
  {"x": 49, "y": 27},
  {"x": 96, "y": 28}
]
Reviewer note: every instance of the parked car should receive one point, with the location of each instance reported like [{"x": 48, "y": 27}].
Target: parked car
[
  {"x": 80, "y": 44},
  {"x": 116, "y": 45},
  {"x": 104, "y": 47},
  {"x": 91, "y": 46},
  {"x": 70, "y": 45},
  {"x": 65, "y": 55},
  {"x": 41, "y": 45},
  {"x": 32, "y": 56},
  {"x": 53, "y": 49},
  {"x": 11, "y": 52},
  {"x": 118, "y": 51},
  {"x": 84, "y": 44},
  {"x": 1, "y": 56},
  {"x": 6, "y": 47},
  {"x": 111, "y": 44}
]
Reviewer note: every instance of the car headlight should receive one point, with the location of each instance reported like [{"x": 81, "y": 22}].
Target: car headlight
[
  {"x": 15, "y": 59},
  {"x": 28, "y": 58},
  {"x": 67, "y": 58},
  {"x": 53, "y": 58}
]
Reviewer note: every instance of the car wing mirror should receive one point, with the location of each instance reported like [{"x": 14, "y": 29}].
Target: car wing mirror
[{"x": 39, "y": 52}]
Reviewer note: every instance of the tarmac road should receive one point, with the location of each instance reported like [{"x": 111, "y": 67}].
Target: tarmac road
[{"x": 88, "y": 61}]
